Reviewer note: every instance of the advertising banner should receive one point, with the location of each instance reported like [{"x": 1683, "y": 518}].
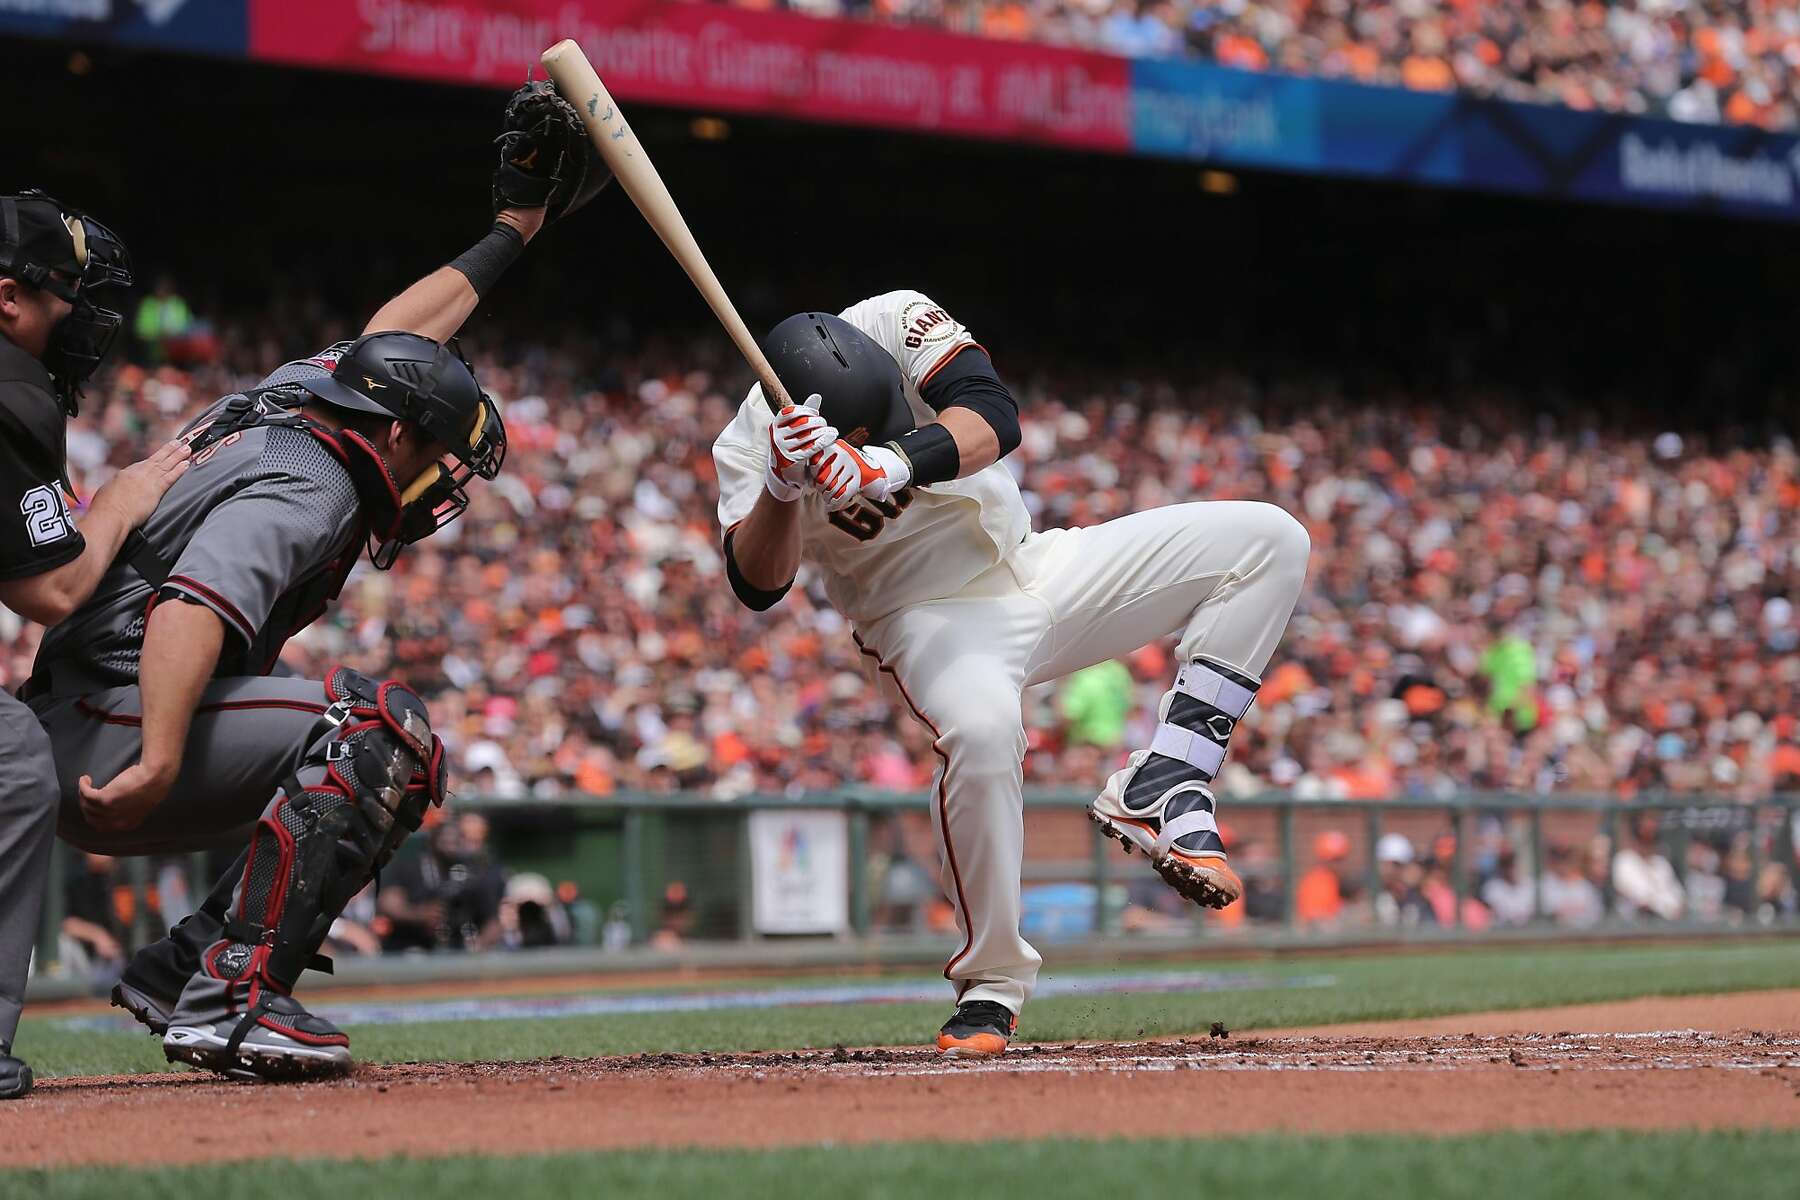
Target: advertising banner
[
  {"x": 191, "y": 26},
  {"x": 800, "y": 871},
  {"x": 703, "y": 55},
  {"x": 1239, "y": 118}
]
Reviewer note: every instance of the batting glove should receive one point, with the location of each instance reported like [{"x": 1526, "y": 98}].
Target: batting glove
[
  {"x": 842, "y": 473},
  {"x": 798, "y": 433}
]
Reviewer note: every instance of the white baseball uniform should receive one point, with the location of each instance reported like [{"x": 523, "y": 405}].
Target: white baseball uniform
[{"x": 958, "y": 606}]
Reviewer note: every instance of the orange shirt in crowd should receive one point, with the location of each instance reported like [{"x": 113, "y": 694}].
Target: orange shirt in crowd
[{"x": 1318, "y": 897}]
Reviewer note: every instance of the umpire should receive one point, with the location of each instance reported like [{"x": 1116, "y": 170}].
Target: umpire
[
  {"x": 53, "y": 259},
  {"x": 52, "y": 337}
]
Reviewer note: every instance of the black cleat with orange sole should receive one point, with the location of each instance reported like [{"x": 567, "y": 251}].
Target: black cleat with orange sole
[{"x": 980, "y": 1029}]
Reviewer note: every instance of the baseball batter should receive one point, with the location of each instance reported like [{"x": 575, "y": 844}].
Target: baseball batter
[
  {"x": 922, "y": 541},
  {"x": 168, "y": 732}
]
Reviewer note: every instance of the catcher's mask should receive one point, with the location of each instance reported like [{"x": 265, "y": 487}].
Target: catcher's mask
[
  {"x": 858, "y": 382},
  {"x": 411, "y": 378},
  {"x": 61, "y": 250}
]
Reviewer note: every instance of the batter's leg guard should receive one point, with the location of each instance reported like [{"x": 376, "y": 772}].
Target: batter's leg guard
[
  {"x": 363, "y": 783},
  {"x": 1160, "y": 802}
]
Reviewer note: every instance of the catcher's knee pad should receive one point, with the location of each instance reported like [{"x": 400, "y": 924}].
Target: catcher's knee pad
[{"x": 370, "y": 768}]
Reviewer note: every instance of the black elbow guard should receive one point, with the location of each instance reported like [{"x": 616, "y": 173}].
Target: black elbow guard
[
  {"x": 970, "y": 381},
  {"x": 751, "y": 596}
]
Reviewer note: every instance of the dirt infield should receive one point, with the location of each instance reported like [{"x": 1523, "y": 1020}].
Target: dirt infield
[{"x": 1638, "y": 1065}]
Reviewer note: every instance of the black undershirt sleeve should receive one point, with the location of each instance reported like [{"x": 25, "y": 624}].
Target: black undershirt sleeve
[
  {"x": 970, "y": 381},
  {"x": 752, "y": 597}
]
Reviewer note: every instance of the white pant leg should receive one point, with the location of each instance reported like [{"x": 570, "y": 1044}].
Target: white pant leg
[
  {"x": 959, "y": 665},
  {"x": 1226, "y": 573}
]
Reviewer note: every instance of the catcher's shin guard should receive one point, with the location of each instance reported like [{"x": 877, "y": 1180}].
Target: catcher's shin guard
[
  {"x": 362, "y": 784},
  {"x": 1160, "y": 803}
]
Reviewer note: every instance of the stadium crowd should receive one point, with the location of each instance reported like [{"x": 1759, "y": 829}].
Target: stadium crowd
[
  {"x": 1492, "y": 605},
  {"x": 1733, "y": 60}
]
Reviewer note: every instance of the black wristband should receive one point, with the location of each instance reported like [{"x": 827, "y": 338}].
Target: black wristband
[
  {"x": 931, "y": 451},
  {"x": 483, "y": 263}
]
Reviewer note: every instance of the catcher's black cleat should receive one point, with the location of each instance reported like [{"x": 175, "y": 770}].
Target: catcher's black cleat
[{"x": 15, "y": 1076}]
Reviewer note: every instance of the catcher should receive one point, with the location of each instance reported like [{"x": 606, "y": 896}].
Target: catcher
[{"x": 168, "y": 733}]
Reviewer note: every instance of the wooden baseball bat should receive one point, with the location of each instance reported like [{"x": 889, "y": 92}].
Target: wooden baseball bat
[{"x": 580, "y": 85}]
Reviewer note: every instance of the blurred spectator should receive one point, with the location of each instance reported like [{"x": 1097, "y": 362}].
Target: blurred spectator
[
  {"x": 532, "y": 915},
  {"x": 1508, "y": 894},
  {"x": 675, "y": 924},
  {"x": 1731, "y": 60},
  {"x": 448, "y": 896},
  {"x": 1437, "y": 884},
  {"x": 903, "y": 887},
  {"x": 1319, "y": 894},
  {"x": 1491, "y": 604},
  {"x": 1643, "y": 880},
  {"x": 98, "y": 907},
  {"x": 166, "y": 331},
  {"x": 1570, "y": 897},
  {"x": 1739, "y": 870},
  {"x": 1095, "y": 702},
  {"x": 1703, "y": 881},
  {"x": 355, "y": 930},
  {"x": 1400, "y": 902}
]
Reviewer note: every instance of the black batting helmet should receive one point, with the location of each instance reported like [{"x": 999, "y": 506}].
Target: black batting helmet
[
  {"x": 409, "y": 377},
  {"x": 859, "y": 382}
]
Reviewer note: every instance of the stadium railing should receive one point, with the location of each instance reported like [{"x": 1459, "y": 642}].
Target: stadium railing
[{"x": 622, "y": 853}]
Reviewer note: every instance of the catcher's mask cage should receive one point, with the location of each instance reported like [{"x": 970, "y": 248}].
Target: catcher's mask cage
[
  {"x": 414, "y": 379},
  {"x": 63, "y": 251}
]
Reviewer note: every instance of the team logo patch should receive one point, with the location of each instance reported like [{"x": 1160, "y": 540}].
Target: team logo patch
[{"x": 926, "y": 324}]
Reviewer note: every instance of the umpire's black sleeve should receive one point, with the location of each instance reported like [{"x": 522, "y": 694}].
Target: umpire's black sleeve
[
  {"x": 969, "y": 381},
  {"x": 753, "y": 597}
]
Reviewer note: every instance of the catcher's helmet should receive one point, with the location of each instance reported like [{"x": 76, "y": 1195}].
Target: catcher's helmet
[
  {"x": 858, "y": 381},
  {"x": 67, "y": 253},
  {"x": 411, "y": 378}
]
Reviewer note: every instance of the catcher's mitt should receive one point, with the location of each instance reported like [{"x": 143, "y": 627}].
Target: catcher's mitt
[{"x": 546, "y": 158}]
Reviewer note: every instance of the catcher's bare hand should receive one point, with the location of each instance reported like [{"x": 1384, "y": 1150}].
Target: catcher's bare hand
[
  {"x": 138, "y": 489},
  {"x": 127, "y": 801}
]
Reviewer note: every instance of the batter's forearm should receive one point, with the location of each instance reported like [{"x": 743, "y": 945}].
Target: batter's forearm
[
  {"x": 438, "y": 304},
  {"x": 181, "y": 651},
  {"x": 977, "y": 445},
  {"x": 765, "y": 546}
]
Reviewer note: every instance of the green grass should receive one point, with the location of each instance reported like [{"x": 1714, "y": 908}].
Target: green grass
[
  {"x": 1518, "y": 1166},
  {"x": 1367, "y": 987}
]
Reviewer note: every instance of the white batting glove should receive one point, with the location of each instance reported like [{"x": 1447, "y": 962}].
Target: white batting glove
[
  {"x": 842, "y": 473},
  {"x": 799, "y": 432}
]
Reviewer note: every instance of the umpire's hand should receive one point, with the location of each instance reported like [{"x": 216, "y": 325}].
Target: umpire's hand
[{"x": 127, "y": 801}]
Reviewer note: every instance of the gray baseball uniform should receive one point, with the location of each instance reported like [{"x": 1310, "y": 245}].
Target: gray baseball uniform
[{"x": 263, "y": 529}]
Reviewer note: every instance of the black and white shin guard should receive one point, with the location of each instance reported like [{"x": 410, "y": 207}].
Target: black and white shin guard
[{"x": 1161, "y": 799}]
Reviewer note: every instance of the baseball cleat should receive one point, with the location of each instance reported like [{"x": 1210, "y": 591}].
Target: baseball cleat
[
  {"x": 1180, "y": 838},
  {"x": 15, "y": 1076},
  {"x": 980, "y": 1029},
  {"x": 278, "y": 1041},
  {"x": 151, "y": 1011}
]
